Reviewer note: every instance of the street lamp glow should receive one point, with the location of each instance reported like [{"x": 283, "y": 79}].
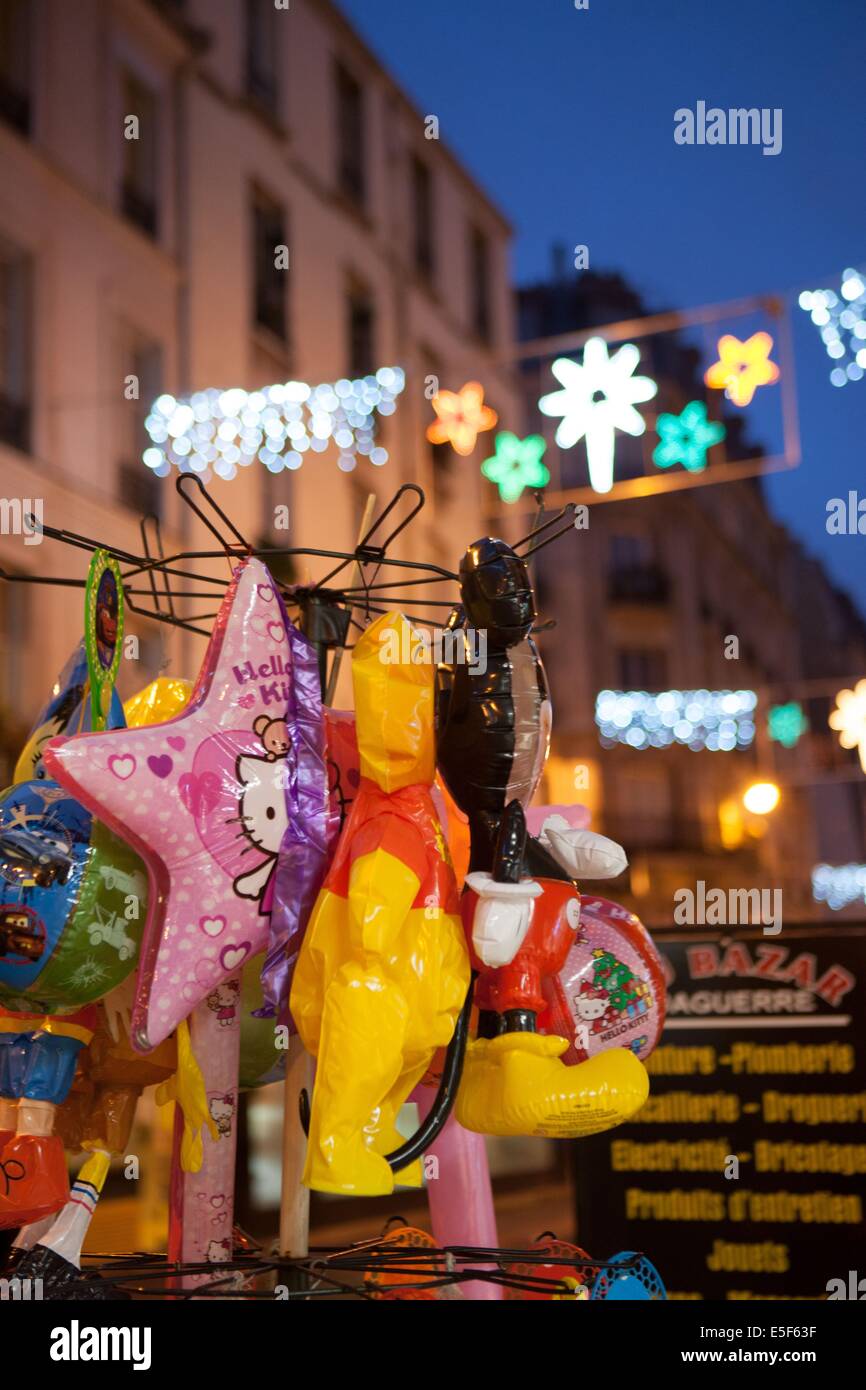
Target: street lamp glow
[
  {"x": 761, "y": 798},
  {"x": 598, "y": 397}
]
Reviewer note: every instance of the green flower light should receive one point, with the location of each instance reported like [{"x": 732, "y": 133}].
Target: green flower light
[
  {"x": 516, "y": 465},
  {"x": 686, "y": 438},
  {"x": 786, "y": 724}
]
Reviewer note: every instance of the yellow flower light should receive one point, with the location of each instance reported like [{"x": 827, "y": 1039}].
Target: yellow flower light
[
  {"x": 742, "y": 367},
  {"x": 461, "y": 417},
  {"x": 849, "y": 719}
]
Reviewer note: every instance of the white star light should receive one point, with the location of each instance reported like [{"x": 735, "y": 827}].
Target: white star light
[
  {"x": 841, "y": 321},
  {"x": 598, "y": 396}
]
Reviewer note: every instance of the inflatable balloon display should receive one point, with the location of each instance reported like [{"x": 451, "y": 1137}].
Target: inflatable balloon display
[
  {"x": 520, "y": 906},
  {"x": 73, "y": 896},
  {"x": 67, "y": 711},
  {"x": 261, "y": 1061},
  {"x": 202, "y": 798},
  {"x": 73, "y": 899},
  {"x": 383, "y": 972},
  {"x": 162, "y": 699},
  {"x": 610, "y": 992}
]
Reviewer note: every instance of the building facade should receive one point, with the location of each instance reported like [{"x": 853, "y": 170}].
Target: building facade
[{"x": 218, "y": 193}]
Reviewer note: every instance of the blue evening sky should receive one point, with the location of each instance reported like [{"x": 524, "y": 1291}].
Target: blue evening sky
[{"x": 566, "y": 118}]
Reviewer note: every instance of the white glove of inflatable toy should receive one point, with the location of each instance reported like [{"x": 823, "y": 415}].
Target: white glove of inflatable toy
[
  {"x": 583, "y": 853},
  {"x": 502, "y": 917}
]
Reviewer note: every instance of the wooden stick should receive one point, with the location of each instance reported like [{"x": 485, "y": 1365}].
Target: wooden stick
[{"x": 294, "y": 1197}]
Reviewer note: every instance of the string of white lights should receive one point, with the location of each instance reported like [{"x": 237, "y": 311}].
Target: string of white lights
[{"x": 219, "y": 432}]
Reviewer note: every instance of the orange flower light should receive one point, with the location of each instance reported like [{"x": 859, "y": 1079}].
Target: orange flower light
[
  {"x": 743, "y": 367},
  {"x": 461, "y": 416}
]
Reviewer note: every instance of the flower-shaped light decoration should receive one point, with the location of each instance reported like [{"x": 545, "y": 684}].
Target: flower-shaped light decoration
[
  {"x": 598, "y": 396},
  {"x": 516, "y": 465},
  {"x": 461, "y": 417},
  {"x": 685, "y": 438},
  {"x": 849, "y": 719},
  {"x": 841, "y": 321},
  {"x": 742, "y": 367},
  {"x": 786, "y": 724}
]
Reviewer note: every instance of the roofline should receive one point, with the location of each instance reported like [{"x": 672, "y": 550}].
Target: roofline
[{"x": 338, "y": 20}]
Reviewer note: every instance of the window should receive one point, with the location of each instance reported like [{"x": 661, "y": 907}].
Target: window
[
  {"x": 644, "y": 801},
  {"x": 442, "y": 456},
  {"x": 350, "y": 136},
  {"x": 479, "y": 284},
  {"x": 630, "y": 552},
  {"x": 138, "y": 488},
  {"x": 139, "y": 191},
  {"x": 15, "y": 55},
  {"x": 633, "y": 574},
  {"x": 642, "y": 668},
  {"x": 361, "y": 331},
  {"x": 422, "y": 217},
  {"x": 15, "y": 353},
  {"x": 262, "y": 70},
  {"x": 269, "y": 239}
]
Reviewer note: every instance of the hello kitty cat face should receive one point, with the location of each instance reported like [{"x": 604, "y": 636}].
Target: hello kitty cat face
[
  {"x": 222, "y": 1109},
  {"x": 218, "y": 1251},
  {"x": 590, "y": 1006},
  {"x": 263, "y": 802},
  {"x": 224, "y": 995}
]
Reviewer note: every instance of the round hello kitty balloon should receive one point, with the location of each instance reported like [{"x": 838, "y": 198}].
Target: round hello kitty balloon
[{"x": 611, "y": 990}]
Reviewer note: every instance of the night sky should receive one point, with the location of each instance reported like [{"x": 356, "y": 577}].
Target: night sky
[{"x": 566, "y": 118}]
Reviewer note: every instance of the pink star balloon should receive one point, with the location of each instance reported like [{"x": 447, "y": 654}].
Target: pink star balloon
[{"x": 202, "y": 799}]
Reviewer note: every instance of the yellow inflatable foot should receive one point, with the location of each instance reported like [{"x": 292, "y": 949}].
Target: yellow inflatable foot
[
  {"x": 516, "y": 1084},
  {"x": 410, "y": 1176},
  {"x": 386, "y": 1141},
  {"x": 351, "y": 1168}
]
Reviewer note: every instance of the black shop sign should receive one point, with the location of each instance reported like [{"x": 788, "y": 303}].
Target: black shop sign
[{"x": 744, "y": 1176}]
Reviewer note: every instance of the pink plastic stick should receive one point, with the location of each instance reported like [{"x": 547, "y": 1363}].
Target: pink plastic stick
[
  {"x": 460, "y": 1196},
  {"x": 205, "y": 1200}
]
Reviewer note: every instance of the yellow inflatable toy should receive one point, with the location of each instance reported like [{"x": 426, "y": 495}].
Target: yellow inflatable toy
[{"x": 383, "y": 970}]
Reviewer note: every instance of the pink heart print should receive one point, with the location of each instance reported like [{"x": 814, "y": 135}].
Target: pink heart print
[
  {"x": 233, "y": 956},
  {"x": 123, "y": 765},
  {"x": 199, "y": 793}
]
